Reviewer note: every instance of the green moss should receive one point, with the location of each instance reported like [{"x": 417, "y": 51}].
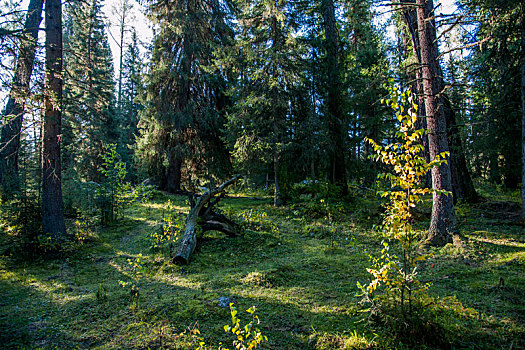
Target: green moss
[{"x": 303, "y": 285}]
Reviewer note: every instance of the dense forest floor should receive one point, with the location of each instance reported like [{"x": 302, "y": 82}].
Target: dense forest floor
[{"x": 298, "y": 270}]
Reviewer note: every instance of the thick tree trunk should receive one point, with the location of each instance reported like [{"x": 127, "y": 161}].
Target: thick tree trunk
[
  {"x": 174, "y": 175},
  {"x": 462, "y": 185},
  {"x": 443, "y": 218},
  {"x": 52, "y": 210},
  {"x": 207, "y": 219},
  {"x": 14, "y": 111},
  {"x": 410, "y": 18},
  {"x": 334, "y": 99}
]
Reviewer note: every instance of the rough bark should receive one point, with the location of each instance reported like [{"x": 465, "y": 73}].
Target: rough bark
[
  {"x": 202, "y": 215},
  {"x": 410, "y": 18},
  {"x": 443, "y": 218},
  {"x": 10, "y": 135},
  {"x": 334, "y": 99},
  {"x": 174, "y": 175},
  {"x": 52, "y": 207}
]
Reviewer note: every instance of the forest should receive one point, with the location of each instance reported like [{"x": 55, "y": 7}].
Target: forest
[{"x": 264, "y": 174}]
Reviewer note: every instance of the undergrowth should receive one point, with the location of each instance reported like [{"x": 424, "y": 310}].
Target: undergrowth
[{"x": 304, "y": 289}]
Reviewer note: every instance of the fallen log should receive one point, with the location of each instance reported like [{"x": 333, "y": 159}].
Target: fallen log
[{"x": 204, "y": 217}]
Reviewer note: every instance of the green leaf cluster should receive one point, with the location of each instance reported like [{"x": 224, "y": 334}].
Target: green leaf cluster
[{"x": 398, "y": 275}]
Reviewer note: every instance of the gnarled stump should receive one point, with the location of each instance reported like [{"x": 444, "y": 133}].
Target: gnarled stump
[{"x": 202, "y": 215}]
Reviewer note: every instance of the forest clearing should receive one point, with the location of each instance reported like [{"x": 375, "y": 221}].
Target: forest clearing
[
  {"x": 262, "y": 174},
  {"x": 301, "y": 277}
]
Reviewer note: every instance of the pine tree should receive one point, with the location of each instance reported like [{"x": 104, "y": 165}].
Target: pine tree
[
  {"x": 52, "y": 207},
  {"x": 89, "y": 89},
  {"x": 443, "y": 218}
]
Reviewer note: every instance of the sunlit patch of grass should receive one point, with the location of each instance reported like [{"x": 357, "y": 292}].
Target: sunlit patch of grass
[{"x": 303, "y": 285}]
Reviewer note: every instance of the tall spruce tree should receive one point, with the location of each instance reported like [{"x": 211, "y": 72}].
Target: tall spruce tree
[
  {"x": 462, "y": 185},
  {"x": 334, "y": 95},
  {"x": 265, "y": 58},
  {"x": 180, "y": 123},
  {"x": 131, "y": 72},
  {"x": 89, "y": 112},
  {"x": 366, "y": 71},
  {"x": 494, "y": 89},
  {"x": 443, "y": 218}
]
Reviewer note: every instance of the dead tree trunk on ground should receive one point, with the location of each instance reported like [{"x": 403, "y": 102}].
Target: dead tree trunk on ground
[{"x": 202, "y": 215}]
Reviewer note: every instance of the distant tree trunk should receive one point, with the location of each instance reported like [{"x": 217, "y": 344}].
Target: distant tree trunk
[
  {"x": 52, "y": 209},
  {"x": 523, "y": 108},
  {"x": 174, "y": 175},
  {"x": 125, "y": 7},
  {"x": 334, "y": 99},
  {"x": 277, "y": 201},
  {"x": 10, "y": 136},
  {"x": 277, "y": 115},
  {"x": 443, "y": 218},
  {"x": 462, "y": 185}
]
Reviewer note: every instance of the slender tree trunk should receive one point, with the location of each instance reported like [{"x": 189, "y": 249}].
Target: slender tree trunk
[
  {"x": 276, "y": 112},
  {"x": 125, "y": 7},
  {"x": 523, "y": 107},
  {"x": 462, "y": 185},
  {"x": 277, "y": 201},
  {"x": 10, "y": 135},
  {"x": 443, "y": 218},
  {"x": 52, "y": 210},
  {"x": 334, "y": 99}
]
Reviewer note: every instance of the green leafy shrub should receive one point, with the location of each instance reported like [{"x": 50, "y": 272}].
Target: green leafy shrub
[
  {"x": 113, "y": 194},
  {"x": 247, "y": 337},
  {"x": 353, "y": 341},
  {"x": 256, "y": 220},
  {"x": 21, "y": 224},
  {"x": 314, "y": 189},
  {"x": 169, "y": 231},
  {"x": 397, "y": 277},
  {"x": 144, "y": 193}
]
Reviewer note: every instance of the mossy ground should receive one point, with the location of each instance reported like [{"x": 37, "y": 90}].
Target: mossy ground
[{"x": 302, "y": 280}]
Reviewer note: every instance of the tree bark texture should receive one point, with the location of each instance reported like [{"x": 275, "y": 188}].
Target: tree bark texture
[
  {"x": 205, "y": 218},
  {"x": 443, "y": 218},
  {"x": 334, "y": 99},
  {"x": 174, "y": 175},
  {"x": 14, "y": 111},
  {"x": 410, "y": 18},
  {"x": 52, "y": 207},
  {"x": 462, "y": 185}
]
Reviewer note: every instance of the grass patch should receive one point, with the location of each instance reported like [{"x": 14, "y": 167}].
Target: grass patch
[{"x": 300, "y": 275}]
